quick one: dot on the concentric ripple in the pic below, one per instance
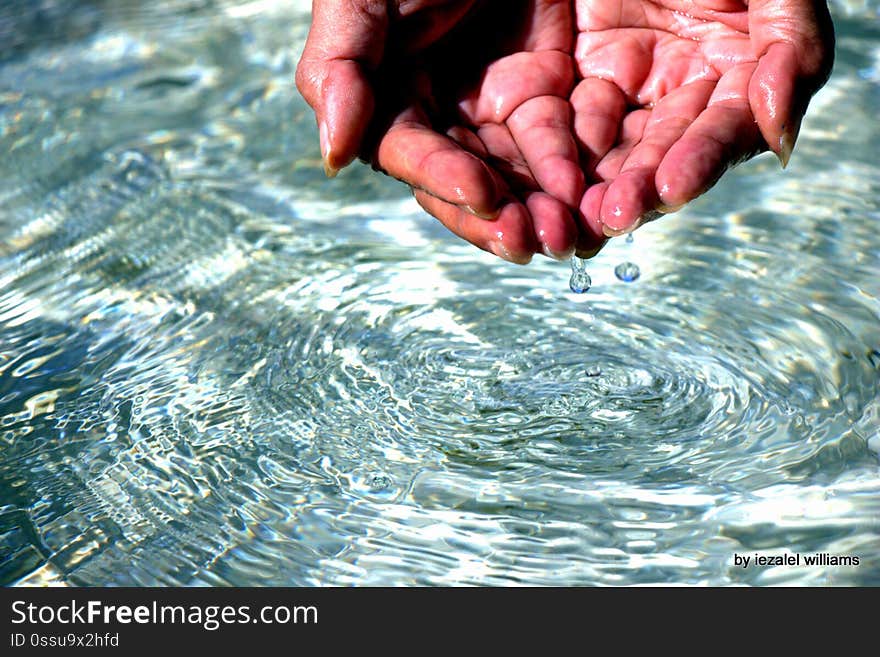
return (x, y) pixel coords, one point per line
(217, 367)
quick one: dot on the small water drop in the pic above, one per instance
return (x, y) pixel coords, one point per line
(594, 370)
(629, 238)
(580, 280)
(580, 283)
(627, 271)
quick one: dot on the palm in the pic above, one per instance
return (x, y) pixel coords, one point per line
(669, 100)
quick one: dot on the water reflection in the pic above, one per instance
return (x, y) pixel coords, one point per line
(218, 367)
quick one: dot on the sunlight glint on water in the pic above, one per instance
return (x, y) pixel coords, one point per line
(217, 367)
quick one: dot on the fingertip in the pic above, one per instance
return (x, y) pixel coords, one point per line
(774, 100)
(475, 187)
(555, 229)
(343, 111)
(689, 169)
(627, 199)
(484, 198)
(590, 209)
(513, 234)
(510, 236)
(673, 189)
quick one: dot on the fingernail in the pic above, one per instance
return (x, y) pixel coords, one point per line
(649, 216)
(786, 143)
(608, 231)
(589, 253)
(324, 138)
(669, 209)
(483, 215)
(557, 255)
(501, 251)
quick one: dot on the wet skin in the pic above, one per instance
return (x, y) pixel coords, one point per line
(529, 126)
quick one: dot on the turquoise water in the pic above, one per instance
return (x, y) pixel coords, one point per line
(218, 367)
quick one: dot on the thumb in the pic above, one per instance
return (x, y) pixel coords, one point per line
(345, 42)
(794, 43)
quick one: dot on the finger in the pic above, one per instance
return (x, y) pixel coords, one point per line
(633, 195)
(667, 122)
(627, 200)
(468, 140)
(413, 152)
(510, 236)
(555, 230)
(722, 135)
(512, 80)
(506, 157)
(631, 130)
(591, 229)
(599, 107)
(552, 26)
(554, 226)
(779, 94)
(345, 41)
(794, 42)
(542, 130)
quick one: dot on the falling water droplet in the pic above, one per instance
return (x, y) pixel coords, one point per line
(629, 238)
(594, 370)
(627, 271)
(580, 280)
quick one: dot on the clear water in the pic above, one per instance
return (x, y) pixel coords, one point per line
(580, 281)
(627, 271)
(217, 367)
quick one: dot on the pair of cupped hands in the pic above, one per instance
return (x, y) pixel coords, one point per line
(547, 126)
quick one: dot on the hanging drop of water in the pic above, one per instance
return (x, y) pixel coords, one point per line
(629, 238)
(627, 271)
(580, 280)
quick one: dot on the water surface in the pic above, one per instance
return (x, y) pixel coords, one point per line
(217, 367)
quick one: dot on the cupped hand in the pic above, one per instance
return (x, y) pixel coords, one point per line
(674, 92)
(467, 102)
(474, 104)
